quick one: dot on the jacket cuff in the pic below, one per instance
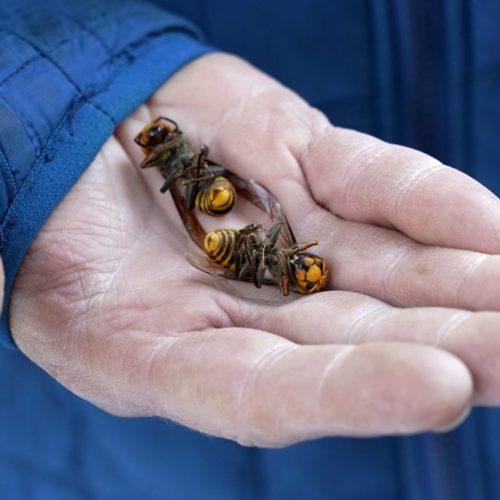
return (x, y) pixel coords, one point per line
(48, 138)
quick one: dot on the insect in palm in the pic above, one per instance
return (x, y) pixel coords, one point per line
(252, 254)
(165, 147)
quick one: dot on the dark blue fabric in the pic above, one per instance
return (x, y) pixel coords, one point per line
(71, 74)
(423, 73)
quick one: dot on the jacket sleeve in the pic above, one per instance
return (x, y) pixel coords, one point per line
(69, 73)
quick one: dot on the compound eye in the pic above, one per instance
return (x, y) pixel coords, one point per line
(153, 132)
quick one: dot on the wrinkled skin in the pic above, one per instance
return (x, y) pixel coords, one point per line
(107, 304)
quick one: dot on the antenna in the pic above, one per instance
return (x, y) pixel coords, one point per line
(171, 121)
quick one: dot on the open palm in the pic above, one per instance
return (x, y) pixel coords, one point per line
(106, 302)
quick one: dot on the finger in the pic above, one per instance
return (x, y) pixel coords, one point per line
(348, 318)
(364, 179)
(388, 265)
(260, 389)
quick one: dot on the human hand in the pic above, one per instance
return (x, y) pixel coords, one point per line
(107, 304)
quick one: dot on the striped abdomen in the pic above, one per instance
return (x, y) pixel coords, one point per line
(218, 198)
(220, 246)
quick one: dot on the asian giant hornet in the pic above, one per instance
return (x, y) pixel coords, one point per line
(166, 148)
(251, 254)
(248, 254)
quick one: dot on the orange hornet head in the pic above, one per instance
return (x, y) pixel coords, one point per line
(310, 272)
(155, 133)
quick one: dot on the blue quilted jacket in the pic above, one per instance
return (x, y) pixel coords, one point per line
(418, 72)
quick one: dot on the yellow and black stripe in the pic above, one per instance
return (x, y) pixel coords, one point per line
(217, 198)
(220, 246)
